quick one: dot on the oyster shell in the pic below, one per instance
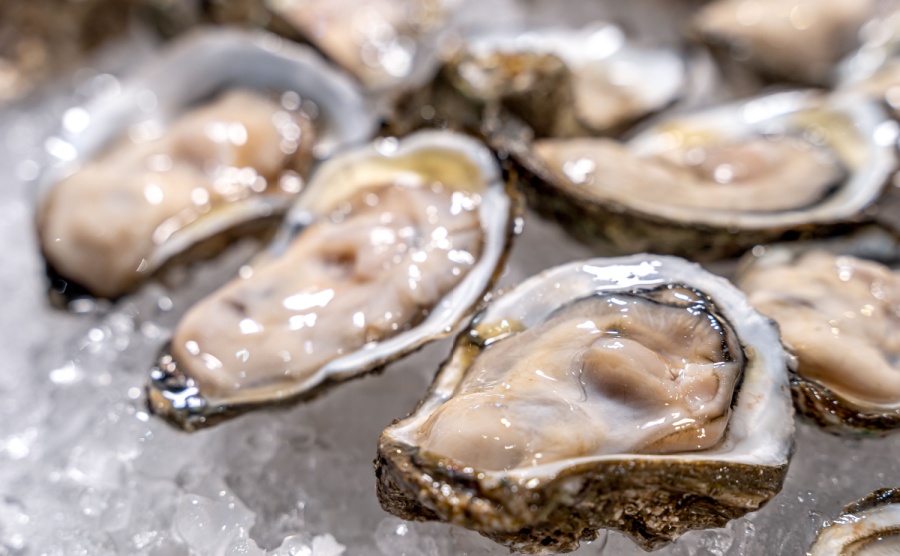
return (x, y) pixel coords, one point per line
(643, 343)
(874, 69)
(840, 316)
(792, 40)
(384, 43)
(867, 527)
(565, 82)
(390, 246)
(714, 182)
(109, 219)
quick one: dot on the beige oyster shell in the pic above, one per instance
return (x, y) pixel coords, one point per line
(714, 182)
(640, 393)
(210, 141)
(569, 82)
(840, 316)
(867, 527)
(794, 40)
(389, 247)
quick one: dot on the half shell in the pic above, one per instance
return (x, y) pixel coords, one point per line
(566, 82)
(192, 72)
(317, 309)
(840, 316)
(653, 495)
(653, 192)
(867, 527)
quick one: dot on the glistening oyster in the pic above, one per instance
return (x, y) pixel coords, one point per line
(566, 82)
(164, 170)
(712, 183)
(840, 316)
(638, 393)
(867, 527)
(389, 247)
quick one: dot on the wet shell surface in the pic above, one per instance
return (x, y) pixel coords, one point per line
(840, 316)
(212, 140)
(639, 393)
(867, 527)
(712, 183)
(389, 247)
(565, 82)
(792, 40)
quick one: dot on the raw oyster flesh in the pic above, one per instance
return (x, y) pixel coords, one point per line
(712, 183)
(867, 527)
(565, 82)
(795, 40)
(640, 393)
(238, 158)
(840, 316)
(396, 246)
(384, 43)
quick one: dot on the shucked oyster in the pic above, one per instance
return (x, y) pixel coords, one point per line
(384, 43)
(867, 527)
(193, 161)
(794, 40)
(394, 244)
(640, 393)
(874, 69)
(125, 213)
(565, 82)
(840, 316)
(712, 183)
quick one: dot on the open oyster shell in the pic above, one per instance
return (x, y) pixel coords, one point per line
(565, 82)
(312, 96)
(389, 247)
(840, 316)
(701, 185)
(867, 527)
(874, 69)
(790, 40)
(386, 44)
(654, 491)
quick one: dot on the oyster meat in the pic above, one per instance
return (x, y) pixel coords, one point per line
(712, 183)
(565, 82)
(395, 244)
(874, 69)
(867, 527)
(384, 43)
(795, 40)
(193, 150)
(117, 218)
(639, 393)
(840, 316)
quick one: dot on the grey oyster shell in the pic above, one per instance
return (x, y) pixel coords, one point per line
(653, 498)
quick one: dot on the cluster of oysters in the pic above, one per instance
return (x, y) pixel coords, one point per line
(640, 392)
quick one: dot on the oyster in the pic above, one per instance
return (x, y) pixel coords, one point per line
(639, 393)
(867, 527)
(874, 69)
(795, 40)
(565, 82)
(384, 43)
(712, 183)
(840, 316)
(121, 210)
(390, 247)
(124, 213)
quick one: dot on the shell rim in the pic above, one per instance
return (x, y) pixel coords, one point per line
(765, 424)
